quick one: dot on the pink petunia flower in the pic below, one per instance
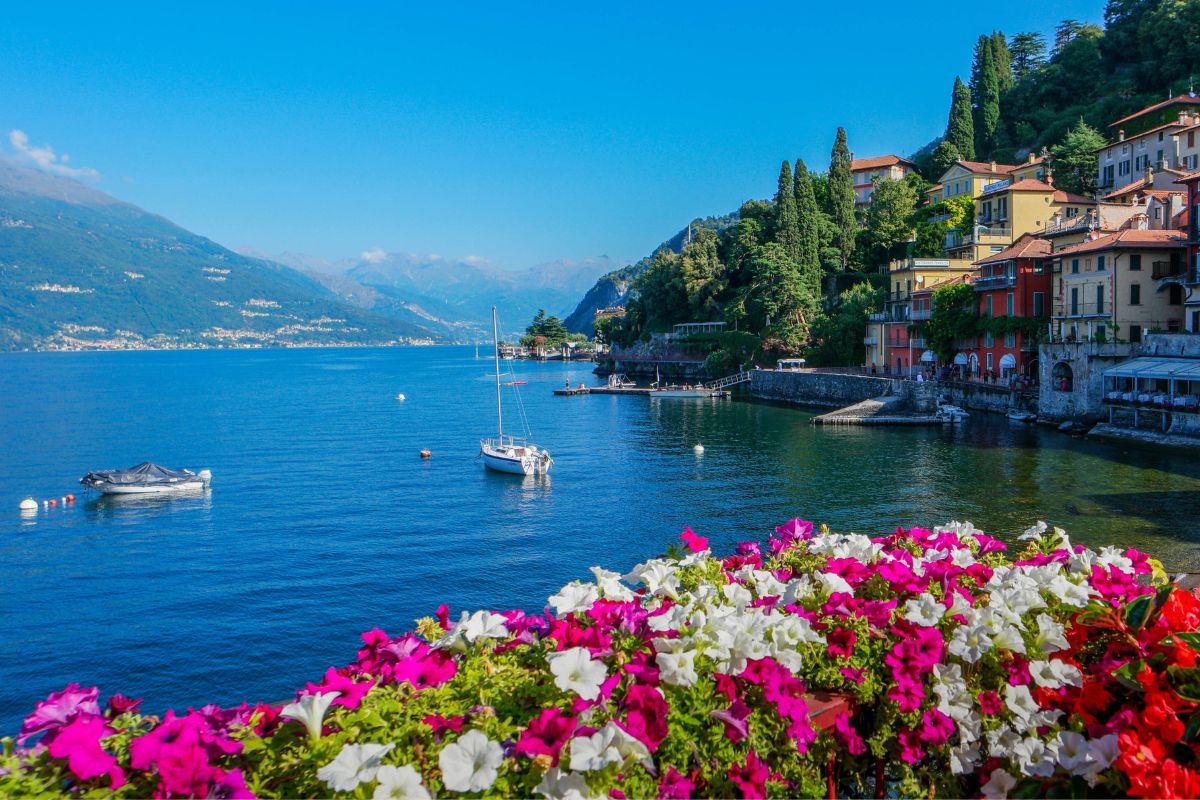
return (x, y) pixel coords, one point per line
(546, 735)
(736, 719)
(675, 786)
(847, 735)
(694, 543)
(59, 708)
(79, 743)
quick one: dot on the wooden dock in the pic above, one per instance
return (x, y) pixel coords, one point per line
(603, 390)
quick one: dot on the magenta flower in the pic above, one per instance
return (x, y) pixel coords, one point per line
(694, 543)
(546, 735)
(990, 703)
(646, 715)
(352, 692)
(840, 642)
(675, 786)
(751, 777)
(911, 750)
(59, 708)
(853, 675)
(437, 723)
(229, 785)
(736, 719)
(937, 727)
(119, 704)
(847, 735)
(79, 743)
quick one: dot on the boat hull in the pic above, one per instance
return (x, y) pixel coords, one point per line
(174, 488)
(688, 393)
(528, 461)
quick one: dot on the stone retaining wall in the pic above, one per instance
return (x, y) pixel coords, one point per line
(812, 388)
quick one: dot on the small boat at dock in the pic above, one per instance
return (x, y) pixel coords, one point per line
(951, 414)
(146, 478)
(1021, 415)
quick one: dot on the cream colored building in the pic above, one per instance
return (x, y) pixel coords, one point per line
(865, 171)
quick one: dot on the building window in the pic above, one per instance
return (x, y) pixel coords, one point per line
(1039, 304)
(1072, 212)
(1135, 333)
(989, 339)
(1135, 262)
(1009, 310)
(988, 306)
(1075, 266)
(1191, 138)
(1100, 263)
(1175, 294)
(1135, 294)
(989, 362)
(1074, 301)
(1010, 339)
(1100, 299)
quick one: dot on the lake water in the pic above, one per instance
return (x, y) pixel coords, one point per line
(323, 521)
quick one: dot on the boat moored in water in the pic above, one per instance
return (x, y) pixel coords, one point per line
(146, 478)
(1020, 415)
(507, 453)
(686, 392)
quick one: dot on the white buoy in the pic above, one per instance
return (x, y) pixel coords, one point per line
(698, 449)
(29, 504)
(401, 397)
(45, 504)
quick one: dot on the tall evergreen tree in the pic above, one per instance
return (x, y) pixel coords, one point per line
(841, 198)
(1003, 61)
(787, 222)
(944, 156)
(1028, 52)
(810, 230)
(985, 94)
(1065, 33)
(960, 127)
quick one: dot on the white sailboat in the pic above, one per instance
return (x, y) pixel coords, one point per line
(508, 453)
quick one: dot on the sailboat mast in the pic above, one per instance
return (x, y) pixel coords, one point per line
(499, 412)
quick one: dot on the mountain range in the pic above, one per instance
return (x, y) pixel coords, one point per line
(82, 269)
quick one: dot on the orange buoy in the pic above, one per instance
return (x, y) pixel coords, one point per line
(53, 502)
(425, 454)
(70, 498)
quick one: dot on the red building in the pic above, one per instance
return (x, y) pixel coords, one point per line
(1012, 283)
(1191, 221)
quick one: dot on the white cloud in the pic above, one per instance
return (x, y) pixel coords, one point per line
(47, 159)
(374, 255)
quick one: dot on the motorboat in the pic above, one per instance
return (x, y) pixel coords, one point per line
(951, 414)
(146, 478)
(619, 381)
(508, 453)
(1020, 415)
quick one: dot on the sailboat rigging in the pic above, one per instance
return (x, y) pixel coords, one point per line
(507, 453)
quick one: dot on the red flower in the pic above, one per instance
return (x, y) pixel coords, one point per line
(546, 735)
(750, 778)
(1182, 611)
(646, 715)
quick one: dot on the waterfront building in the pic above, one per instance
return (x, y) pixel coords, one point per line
(865, 171)
(967, 178)
(1007, 208)
(1013, 284)
(889, 329)
(1191, 227)
(918, 355)
(1161, 136)
(1118, 285)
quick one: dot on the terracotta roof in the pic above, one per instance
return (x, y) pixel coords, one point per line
(1162, 194)
(1127, 239)
(1191, 177)
(938, 186)
(1068, 197)
(1140, 183)
(986, 166)
(1025, 164)
(1027, 246)
(1024, 185)
(878, 161)
(1179, 98)
(1142, 134)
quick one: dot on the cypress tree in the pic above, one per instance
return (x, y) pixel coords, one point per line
(1003, 59)
(960, 127)
(810, 231)
(841, 198)
(985, 93)
(787, 223)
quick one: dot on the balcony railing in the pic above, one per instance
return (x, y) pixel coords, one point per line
(869, 341)
(916, 343)
(982, 232)
(996, 282)
(878, 316)
(922, 313)
(936, 218)
(1166, 269)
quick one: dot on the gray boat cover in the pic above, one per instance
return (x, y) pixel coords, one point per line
(144, 474)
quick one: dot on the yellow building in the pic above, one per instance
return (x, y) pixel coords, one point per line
(1008, 208)
(888, 330)
(1119, 285)
(967, 178)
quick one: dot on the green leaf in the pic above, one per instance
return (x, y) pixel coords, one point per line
(1192, 640)
(1137, 612)
(1027, 788)
(1192, 730)
(1127, 674)
(1186, 682)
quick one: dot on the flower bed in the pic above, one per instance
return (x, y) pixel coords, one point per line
(926, 662)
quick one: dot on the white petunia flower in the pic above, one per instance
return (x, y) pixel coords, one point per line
(970, 642)
(833, 583)
(677, 669)
(1054, 674)
(575, 671)
(799, 589)
(1074, 753)
(738, 596)
(310, 710)
(925, 610)
(1036, 532)
(575, 596)
(559, 785)
(658, 575)
(611, 586)
(1021, 703)
(355, 764)
(1104, 751)
(964, 758)
(998, 786)
(454, 638)
(470, 763)
(1051, 636)
(1115, 558)
(484, 625)
(594, 752)
(399, 783)
(1034, 758)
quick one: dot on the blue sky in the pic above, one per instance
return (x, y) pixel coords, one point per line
(518, 132)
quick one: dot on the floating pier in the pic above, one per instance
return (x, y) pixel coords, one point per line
(603, 390)
(889, 410)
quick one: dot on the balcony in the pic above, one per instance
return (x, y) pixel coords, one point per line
(878, 316)
(987, 233)
(997, 282)
(920, 314)
(916, 343)
(870, 341)
(936, 218)
(1166, 269)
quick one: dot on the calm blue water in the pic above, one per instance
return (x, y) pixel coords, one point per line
(323, 522)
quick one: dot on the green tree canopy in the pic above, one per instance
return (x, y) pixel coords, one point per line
(985, 94)
(889, 218)
(787, 220)
(841, 198)
(837, 339)
(954, 318)
(960, 126)
(1075, 161)
(1028, 52)
(703, 275)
